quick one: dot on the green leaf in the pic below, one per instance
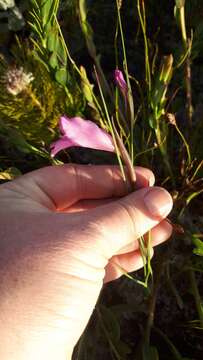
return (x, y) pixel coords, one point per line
(198, 250)
(16, 139)
(53, 10)
(152, 122)
(38, 58)
(180, 3)
(53, 61)
(61, 52)
(87, 87)
(61, 76)
(52, 40)
(193, 195)
(45, 8)
(150, 353)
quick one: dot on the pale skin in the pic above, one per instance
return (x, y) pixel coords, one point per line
(64, 231)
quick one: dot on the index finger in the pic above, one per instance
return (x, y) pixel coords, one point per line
(65, 185)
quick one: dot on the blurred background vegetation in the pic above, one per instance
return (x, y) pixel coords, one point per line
(40, 79)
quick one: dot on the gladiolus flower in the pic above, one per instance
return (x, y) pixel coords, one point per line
(120, 81)
(79, 132)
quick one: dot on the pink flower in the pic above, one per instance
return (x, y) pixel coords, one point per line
(79, 132)
(120, 81)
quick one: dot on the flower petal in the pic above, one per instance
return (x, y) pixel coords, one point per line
(62, 143)
(79, 132)
(120, 81)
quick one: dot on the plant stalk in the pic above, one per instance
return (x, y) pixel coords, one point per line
(197, 298)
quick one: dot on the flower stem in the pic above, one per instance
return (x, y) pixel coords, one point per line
(164, 153)
(197, 298)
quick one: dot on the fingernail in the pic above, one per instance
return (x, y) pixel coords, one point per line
(151, 181)
(158, 201)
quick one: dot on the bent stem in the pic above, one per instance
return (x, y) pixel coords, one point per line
(185, 143)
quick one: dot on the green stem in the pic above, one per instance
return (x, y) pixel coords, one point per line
(185, 143)
(186, 45)
(174, 351)
(152, 303)
(164, 153)
(183, 27)
(110, 126)
(76, 67)
(129, 95)
(200, 165)
(117, 355)
(123, 46)
(188, 86)
(195, 291)
(143, 26)
(173, 288)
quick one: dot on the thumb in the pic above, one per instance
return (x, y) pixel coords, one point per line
(127, 219)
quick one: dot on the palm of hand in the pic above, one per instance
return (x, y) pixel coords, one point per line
(58, 245)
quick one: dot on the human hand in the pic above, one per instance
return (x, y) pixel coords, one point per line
(63, 230)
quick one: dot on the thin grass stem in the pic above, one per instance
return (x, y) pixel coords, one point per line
(129, 95)
(142, 19)
(110, 126)
(112, 346)
(185, 143)
(196, 294)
